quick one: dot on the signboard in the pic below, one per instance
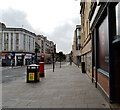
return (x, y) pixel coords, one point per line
(27, 57)
(104, 46)
(18, 54)
(78, 53)
(19, 57)
(31, 76)
(28, 54)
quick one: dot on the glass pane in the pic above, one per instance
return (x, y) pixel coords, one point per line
(118, 19)
(104, 46)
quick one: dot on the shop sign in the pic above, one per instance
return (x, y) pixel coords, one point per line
(28, 54)
(18, 54)
(27, 57)
(19, 57)
(78, 53)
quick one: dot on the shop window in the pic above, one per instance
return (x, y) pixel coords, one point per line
(104, 46)
(89, 63)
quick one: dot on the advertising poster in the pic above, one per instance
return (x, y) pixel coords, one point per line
(31, 76)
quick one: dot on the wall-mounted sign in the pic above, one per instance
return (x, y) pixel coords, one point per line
(78, 53)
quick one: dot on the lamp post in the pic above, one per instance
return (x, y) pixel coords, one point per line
(60, 55)
(53, 61)
(36, 50)
(53, 55)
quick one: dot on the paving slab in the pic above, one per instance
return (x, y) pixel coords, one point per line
(67, 87)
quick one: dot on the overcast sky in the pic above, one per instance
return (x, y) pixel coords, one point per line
(55, 19)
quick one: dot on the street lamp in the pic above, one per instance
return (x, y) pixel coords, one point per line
(53, 55)
(60, 55)
(36, 50)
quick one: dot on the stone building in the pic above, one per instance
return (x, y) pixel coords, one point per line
(76, 47)
(86, 44)
(105, 28)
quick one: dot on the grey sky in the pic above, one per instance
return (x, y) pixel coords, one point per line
(55, 19)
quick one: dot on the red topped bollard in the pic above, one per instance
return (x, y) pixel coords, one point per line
(41, 69)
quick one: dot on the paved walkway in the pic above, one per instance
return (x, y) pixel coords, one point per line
(10, 67)
(65, 88)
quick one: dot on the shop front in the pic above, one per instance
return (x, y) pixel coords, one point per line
(28, 59)
(6, 59)
(106, 48)
(19, 59)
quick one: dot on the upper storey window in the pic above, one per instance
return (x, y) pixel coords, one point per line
(118, 19)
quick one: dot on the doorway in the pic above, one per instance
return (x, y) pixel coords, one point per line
(117, 70)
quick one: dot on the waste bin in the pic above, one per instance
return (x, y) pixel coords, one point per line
(32, 73)
(41, 69)
(83, 67)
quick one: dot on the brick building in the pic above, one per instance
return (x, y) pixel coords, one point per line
(46, 48)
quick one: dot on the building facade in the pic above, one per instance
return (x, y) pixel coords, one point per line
(100, 41)
(46, 48)
(86, 42)
(104, 24)
(18, 46)
(76, 47)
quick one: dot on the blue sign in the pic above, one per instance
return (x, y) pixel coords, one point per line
(12, 55)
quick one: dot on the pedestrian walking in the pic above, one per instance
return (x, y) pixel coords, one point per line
(70, 60)
(78, 63)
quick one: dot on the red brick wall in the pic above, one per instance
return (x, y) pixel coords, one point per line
(104, 82)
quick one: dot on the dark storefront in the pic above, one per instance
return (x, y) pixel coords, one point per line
(6, 59)
(20, 60)
(105, 30)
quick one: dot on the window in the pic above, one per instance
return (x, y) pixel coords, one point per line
(29, 44)
(118, 19)
(104, 46)
(89, 63)
(17, 38)
(17, 48)
(11, 41)
(24, 42)
(5, 41)
(78, 33)
(17, 41)
(33, 43)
